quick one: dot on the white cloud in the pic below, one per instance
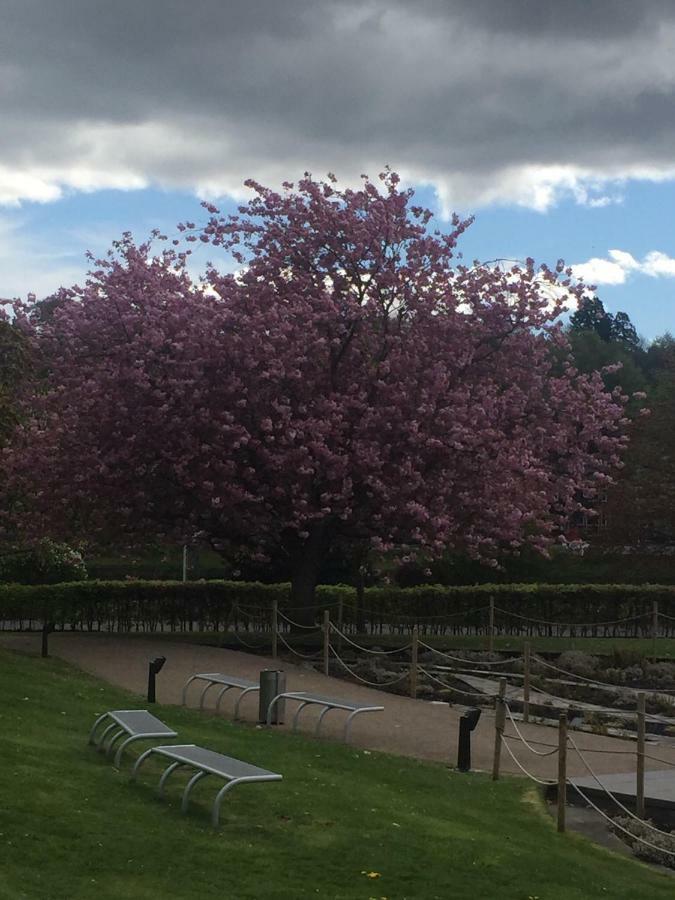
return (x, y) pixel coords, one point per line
(621, 264)
(600, 271)
(24, 267)
(657, 265)
(529, 108)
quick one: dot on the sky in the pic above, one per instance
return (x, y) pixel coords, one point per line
(552, 123)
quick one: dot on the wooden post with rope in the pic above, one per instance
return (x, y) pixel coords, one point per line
(491, 626)
(500, 719)
(562, 771)
(340, 624)
(640, 767)
(526, 682)
(414, 649)
(326, 641)
(655, 627)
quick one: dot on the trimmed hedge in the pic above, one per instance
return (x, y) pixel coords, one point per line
(218, 605)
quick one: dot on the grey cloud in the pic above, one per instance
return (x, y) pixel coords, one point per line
(488, 100)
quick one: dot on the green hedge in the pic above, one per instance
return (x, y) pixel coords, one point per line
(216, 605)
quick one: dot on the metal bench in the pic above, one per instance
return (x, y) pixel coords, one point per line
(306, 699)
(207, 762)
(228, 681)
(138, 724)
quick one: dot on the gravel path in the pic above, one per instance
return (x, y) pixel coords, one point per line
(414, 728)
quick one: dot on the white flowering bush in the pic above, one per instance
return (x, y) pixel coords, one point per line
(47, 562)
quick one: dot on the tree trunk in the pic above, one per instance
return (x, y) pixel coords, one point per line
(305, 577)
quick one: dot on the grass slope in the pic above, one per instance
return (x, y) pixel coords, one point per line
(73, 827)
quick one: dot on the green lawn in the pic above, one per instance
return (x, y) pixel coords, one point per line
(73, 828)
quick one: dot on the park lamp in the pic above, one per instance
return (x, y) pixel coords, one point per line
(154, 668)
(467, 722)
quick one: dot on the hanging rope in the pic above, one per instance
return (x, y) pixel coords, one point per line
(377, 684)
(507, 612)
(247, 645)
(523, 739)
(614, 824)
(367, 649)
(463, 659)
(313, 627)
(628, 812)
(522, 768)
(313, 656)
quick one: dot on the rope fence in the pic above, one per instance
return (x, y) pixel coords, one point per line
(565, 741)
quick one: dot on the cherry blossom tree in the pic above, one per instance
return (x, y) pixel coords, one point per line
(353, 380)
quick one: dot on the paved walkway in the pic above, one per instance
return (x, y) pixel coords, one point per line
(408, 727)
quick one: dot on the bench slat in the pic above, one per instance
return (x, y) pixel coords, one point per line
(220, 678)
(140, 721)
(214, 763)
(327, 701)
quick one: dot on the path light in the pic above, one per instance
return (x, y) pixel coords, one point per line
(467, 722)
(154, 667)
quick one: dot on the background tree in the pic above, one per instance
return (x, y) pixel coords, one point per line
(349, 384)
(641, 506)
(15, 366)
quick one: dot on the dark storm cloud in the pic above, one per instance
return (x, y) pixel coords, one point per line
(488, 100)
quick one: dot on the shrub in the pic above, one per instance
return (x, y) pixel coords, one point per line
(663, 849)
(48, 562)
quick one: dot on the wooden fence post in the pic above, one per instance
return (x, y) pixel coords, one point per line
(413, 663)
(491, 627)
(340, 624)
(500, 718)
(326, 641)
(275, 625)
(562, 771)
(655, 627)
(640, 768)
(526, 682)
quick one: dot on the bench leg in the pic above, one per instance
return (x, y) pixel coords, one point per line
(203, 694)
(141, 759)
(221, 694)
(215, 812)
(348, 725)
(186, 686)
(297, 714)
(106, 731)
(165, 775)
(241, 697)
(96, 724)
(188, 788)
(115, 737)
(350, 718)
(120, 749)
(320, 720)
(268, 717)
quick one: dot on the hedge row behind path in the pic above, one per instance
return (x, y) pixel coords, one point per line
(592, 610)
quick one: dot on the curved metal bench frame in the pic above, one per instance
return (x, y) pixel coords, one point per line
(226, 686)
(173, 752)
(306, 699)
(133, 735)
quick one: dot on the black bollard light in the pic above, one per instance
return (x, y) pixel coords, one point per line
(154, 667)
(467, 722)
(47, 629)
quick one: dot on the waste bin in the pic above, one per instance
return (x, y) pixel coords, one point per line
(272, 683)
